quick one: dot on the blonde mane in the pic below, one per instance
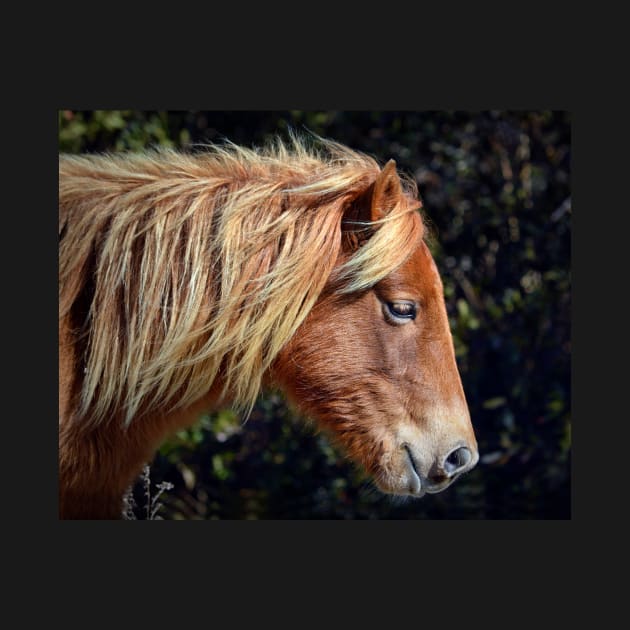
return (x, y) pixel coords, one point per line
(193, 266)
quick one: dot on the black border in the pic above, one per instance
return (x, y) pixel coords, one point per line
(531, 554)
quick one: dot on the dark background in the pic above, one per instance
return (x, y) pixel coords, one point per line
(496, 191)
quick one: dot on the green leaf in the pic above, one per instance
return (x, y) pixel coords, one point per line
(493, 403)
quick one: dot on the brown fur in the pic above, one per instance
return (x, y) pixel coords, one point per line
(175, 299)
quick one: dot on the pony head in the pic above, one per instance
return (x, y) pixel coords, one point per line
(374, 362)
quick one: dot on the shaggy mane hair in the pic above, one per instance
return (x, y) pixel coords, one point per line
(176, 268)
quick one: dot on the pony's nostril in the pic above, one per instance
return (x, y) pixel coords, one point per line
(456, 460)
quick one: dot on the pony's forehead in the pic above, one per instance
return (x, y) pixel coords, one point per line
(418, 275)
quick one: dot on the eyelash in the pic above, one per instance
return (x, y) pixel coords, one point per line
(401, 312)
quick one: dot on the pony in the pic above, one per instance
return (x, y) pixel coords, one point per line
(189, 281)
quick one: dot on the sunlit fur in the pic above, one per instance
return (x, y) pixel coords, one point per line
(176, 269)
(190, 281)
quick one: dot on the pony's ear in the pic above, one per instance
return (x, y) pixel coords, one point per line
(375, 203)
(386, 192)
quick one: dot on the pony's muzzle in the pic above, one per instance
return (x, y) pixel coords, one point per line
(430, 473)
(458, 461)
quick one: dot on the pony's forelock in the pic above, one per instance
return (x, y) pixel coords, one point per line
(205, 265)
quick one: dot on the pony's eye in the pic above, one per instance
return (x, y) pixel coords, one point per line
(401, 311)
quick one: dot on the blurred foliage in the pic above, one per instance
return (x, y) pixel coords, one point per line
(496, 192)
